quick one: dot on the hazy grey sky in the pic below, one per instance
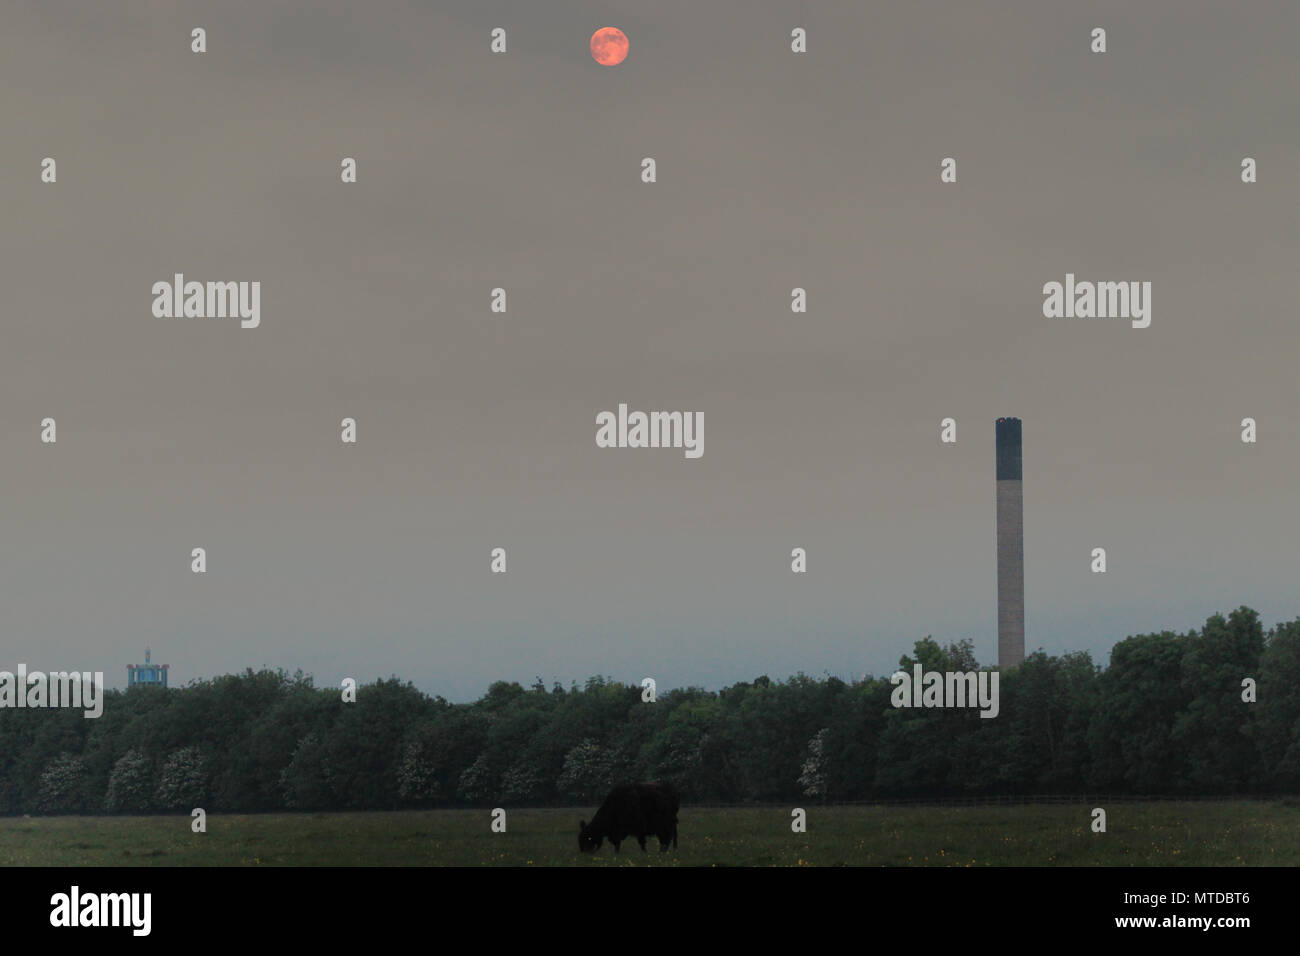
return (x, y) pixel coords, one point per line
(477, 430)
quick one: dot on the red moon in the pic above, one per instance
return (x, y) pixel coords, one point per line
(609, 46)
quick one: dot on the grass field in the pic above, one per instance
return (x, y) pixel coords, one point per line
(1146, 834)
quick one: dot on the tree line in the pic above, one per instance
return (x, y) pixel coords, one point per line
(1165, 717)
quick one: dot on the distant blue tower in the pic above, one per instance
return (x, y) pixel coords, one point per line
(146, 673)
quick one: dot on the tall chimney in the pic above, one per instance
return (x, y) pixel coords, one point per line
(1011, 546)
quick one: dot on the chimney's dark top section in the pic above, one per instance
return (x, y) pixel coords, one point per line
(1008, 430)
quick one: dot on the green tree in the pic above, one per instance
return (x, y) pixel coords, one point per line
(130, 786)
(1140, 697)
(182, 784)
(62, 787)
(1278, 706)
(1215, 728)
(812, 778)
(587, 775)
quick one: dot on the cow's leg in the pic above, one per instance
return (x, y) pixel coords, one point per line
(641, 840)
(616, 843)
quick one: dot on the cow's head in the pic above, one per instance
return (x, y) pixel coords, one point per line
(586, 842)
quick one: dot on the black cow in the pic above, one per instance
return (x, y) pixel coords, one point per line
(635, 809)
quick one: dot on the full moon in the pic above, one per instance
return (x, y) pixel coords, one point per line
(609, 46)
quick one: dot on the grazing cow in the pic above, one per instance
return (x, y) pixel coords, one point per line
(635, 809)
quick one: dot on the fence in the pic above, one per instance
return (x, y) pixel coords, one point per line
(1057, 799)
